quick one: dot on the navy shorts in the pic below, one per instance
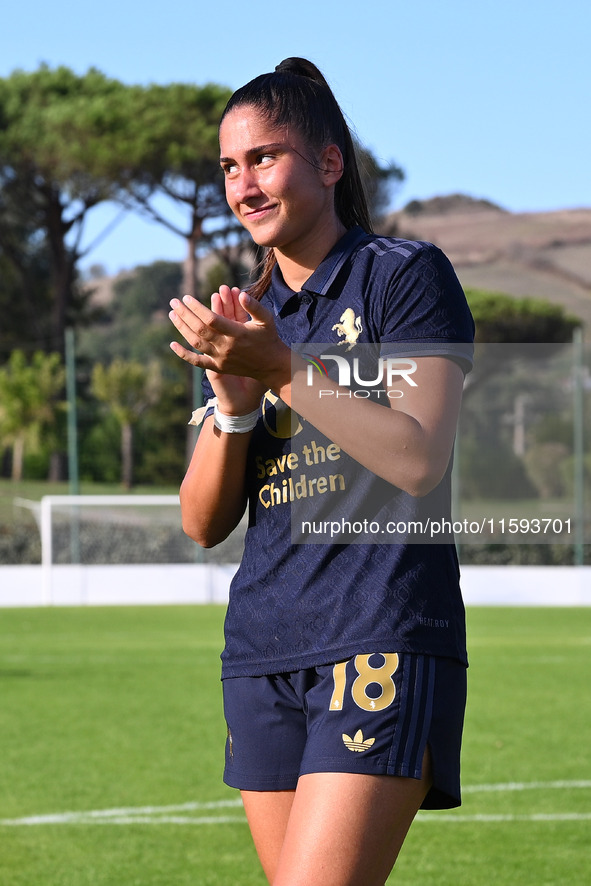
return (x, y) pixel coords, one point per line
(373, 714)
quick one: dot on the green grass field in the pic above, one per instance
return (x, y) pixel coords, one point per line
(112, 736)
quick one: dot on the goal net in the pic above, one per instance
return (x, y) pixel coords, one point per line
(121, 529)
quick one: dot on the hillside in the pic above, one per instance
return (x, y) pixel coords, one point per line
(542, 254)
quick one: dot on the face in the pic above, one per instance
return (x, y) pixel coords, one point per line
(272, 188)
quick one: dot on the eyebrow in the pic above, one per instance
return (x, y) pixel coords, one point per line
(260, 149)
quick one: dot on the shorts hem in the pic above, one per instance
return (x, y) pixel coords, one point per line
(437, 797)
(262, 783)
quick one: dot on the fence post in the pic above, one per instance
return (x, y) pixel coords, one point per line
(578, 447)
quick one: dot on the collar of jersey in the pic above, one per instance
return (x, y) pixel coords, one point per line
(324, 275)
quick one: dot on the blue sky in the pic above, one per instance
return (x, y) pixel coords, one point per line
(490, 99)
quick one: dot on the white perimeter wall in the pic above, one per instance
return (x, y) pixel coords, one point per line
(204, 583)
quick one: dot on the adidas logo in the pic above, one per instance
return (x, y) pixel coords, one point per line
(357, 743)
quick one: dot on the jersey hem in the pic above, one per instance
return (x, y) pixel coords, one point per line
(317, 659)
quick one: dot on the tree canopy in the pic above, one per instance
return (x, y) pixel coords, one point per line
(179, 124)
(69, 142)
(504, 322)
(502, 318)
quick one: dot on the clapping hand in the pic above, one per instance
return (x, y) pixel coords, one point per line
(238, 345)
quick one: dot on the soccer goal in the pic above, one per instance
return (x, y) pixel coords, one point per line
(93, 529)
(88, 531)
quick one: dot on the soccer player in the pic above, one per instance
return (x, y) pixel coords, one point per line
(344, 663)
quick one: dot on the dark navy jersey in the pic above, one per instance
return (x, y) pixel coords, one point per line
(299, 605)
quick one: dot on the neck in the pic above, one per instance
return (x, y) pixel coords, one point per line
(299, 262)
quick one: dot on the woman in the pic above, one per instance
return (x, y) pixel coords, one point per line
(344, 664)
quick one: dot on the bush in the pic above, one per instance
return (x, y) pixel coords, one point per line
(20, 545)
(543, 463)
(492, 471)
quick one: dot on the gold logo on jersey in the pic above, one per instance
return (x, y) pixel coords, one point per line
(349, 328)
(357, 743)
(279, 420)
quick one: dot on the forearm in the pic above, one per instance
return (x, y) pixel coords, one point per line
(408, 445)
(212, 493)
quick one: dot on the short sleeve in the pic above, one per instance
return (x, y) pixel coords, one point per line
(426, 311)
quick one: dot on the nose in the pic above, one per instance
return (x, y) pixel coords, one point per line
(243, 186)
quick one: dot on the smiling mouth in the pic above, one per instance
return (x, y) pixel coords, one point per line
(259, 212)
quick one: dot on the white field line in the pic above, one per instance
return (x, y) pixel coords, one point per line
(164, 814)
(525, 786)
(143, 814)
(165, 819)
(550, 816)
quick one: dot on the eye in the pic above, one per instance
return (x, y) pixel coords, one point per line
(229, 168)
(262, 159)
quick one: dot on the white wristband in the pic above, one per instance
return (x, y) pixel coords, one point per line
(234, 424)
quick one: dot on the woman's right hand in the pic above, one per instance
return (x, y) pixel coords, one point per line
(235, 338)
(237, 395)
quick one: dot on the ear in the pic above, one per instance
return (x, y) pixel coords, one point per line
(332, 165)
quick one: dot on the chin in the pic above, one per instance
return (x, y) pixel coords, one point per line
(266, 240)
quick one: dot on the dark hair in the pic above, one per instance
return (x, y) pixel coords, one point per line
(296, 95)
